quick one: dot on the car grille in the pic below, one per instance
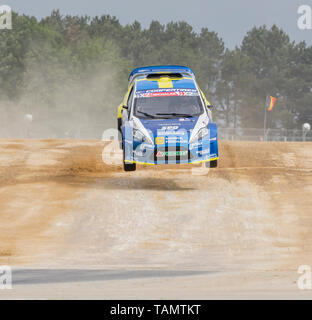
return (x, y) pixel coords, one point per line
(176, 153)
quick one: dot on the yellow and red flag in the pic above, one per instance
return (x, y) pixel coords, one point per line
(272, 103)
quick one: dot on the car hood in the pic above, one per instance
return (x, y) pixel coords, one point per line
(187, 127)
(169, 125)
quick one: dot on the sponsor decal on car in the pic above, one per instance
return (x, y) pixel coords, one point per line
(166, 93)
(171, 153)
(160, 140)
(169, 128)
(203, 152)
(177, 133)
(176, 140)
(195, 145)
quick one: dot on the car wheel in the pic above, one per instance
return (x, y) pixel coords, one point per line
(119, 124)
(120, 133)
(128, 166)
(212, 164)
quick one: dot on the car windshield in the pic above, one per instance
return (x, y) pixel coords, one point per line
(167, 105)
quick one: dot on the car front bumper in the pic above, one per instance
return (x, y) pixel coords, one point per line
(148, 154)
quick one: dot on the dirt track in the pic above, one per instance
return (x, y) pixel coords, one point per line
(242, 229)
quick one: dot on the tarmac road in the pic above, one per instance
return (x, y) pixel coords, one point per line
(74, 227)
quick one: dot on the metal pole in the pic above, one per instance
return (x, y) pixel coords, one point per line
(265, 119)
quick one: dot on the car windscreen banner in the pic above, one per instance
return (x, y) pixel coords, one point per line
(166, 93)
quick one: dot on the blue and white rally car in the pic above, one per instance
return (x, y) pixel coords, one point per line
(166, 119)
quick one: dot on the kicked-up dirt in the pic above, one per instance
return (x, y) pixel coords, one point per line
(73, 226)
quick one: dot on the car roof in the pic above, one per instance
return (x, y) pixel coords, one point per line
(160, 69)
(165, 82)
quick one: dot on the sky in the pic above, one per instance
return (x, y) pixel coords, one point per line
(231, 19)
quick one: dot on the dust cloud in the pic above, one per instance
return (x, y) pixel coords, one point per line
(63, 104)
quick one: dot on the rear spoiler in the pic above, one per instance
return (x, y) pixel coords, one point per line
(161, 70)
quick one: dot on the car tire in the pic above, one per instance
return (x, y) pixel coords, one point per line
(212, 164)
(119, 124)
(128, 166)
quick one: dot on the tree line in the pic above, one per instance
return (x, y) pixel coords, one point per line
(76, 68)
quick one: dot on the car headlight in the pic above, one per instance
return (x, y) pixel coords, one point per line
(202, 133)
(138, 135)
